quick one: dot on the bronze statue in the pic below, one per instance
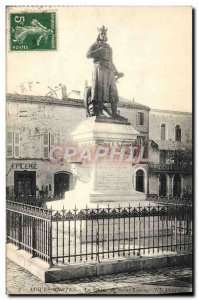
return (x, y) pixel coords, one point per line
(104, 78)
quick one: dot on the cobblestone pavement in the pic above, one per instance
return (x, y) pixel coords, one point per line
(160, 281)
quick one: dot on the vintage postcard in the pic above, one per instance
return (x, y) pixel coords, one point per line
(99, 150)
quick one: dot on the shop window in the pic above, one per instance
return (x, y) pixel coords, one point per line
(25, 183)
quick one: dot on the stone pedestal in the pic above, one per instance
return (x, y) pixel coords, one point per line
(103, 181)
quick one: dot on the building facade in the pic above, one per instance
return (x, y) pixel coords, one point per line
(170, 153)
(35, 124)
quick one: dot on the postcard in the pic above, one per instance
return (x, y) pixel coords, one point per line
(99, 189)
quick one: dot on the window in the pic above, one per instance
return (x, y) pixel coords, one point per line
(16, 144)
(46, 145)
(10, 144)
(140, 118)
(178, 133)
(48, 142)
(162, 157)
(13, 144)
(163, 132)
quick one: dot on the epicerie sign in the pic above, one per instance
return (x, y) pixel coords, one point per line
(24, 166)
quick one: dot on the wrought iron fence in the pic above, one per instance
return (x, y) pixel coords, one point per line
(70, 236)
(186, 199)
(171, 167)
(39, 201)
(30, 228)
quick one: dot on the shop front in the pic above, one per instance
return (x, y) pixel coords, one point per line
(37, 178)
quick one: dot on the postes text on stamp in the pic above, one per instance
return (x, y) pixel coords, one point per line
(33, 31)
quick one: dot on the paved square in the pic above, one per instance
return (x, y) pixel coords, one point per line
(161, 281)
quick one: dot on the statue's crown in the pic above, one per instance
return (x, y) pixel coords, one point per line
(102, 29)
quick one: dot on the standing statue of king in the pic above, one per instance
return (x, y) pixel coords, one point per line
(104, 77)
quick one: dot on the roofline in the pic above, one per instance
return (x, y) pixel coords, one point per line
(67, 102)
(170, 111)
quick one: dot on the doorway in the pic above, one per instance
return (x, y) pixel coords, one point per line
(177, 186)
(25, 183)
(140, 181)
(162, 185)
(61, 183)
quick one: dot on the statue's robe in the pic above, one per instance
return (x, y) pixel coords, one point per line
(104, 88)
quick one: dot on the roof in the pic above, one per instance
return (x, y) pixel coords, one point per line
(43, 99)
(169, 111)
(171, 145)
(131, 104)
(69, 102)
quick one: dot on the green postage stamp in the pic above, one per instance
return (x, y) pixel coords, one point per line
(33, 31)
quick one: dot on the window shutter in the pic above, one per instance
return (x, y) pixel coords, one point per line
(46, 145)
(52, 139)
(16, 144)
(9, 144)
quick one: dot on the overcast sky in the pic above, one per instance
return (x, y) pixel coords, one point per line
(152, 46)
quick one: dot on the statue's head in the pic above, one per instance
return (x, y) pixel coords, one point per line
(102, 34)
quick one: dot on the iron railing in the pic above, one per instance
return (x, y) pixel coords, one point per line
(39, 201)
(30, 228)
(186, 199)
(170, 167)
(70, 236)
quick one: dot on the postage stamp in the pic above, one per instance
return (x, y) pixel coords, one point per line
(33, 31)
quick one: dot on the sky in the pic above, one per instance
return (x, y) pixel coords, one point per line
(152, 46)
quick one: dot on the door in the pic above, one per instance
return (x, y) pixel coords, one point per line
(25, 183)
(162, 185)
(140, 181)
(177, 186)
(61, 183)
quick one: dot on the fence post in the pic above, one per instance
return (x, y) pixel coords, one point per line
(176, 227)
(7, 225)
(139, 229)
(33, 237)
(20, 232)
(50, 240)
(98, 236)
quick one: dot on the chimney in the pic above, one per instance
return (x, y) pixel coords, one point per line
(64, 92)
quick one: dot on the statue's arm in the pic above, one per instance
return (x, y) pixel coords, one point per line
(115, 71)
(93, 52)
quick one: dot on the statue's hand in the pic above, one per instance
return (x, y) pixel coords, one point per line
(102, 50)
(120, 74)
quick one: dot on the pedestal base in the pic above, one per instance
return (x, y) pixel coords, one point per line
(104, 181)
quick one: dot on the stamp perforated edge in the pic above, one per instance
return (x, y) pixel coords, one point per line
(31, 9)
